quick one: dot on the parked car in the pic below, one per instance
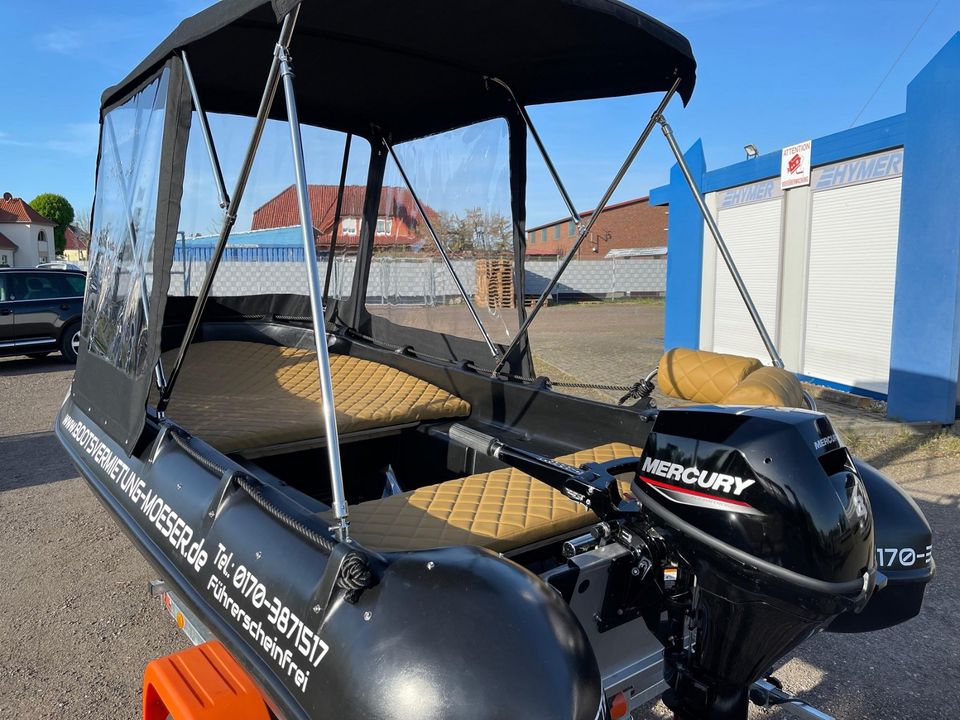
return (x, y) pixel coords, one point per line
(59, 265)
(40, 312)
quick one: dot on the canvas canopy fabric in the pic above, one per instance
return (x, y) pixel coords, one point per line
(419, 67)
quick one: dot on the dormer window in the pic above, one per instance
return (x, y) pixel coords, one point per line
(348, 226)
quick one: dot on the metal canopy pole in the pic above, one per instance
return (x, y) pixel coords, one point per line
(207, 137)
(331, 255)
(442, 250)
(543, 151)
(585, 229)
(721, 245)
(316, 300)
(266, 102)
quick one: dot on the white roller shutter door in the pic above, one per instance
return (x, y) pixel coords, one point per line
(852, 271)
(752, 233)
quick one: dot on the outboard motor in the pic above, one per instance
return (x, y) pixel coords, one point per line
(750, 530)
(769, 522)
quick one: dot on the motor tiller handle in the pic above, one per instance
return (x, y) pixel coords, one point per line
(474, 439)
(592, 485)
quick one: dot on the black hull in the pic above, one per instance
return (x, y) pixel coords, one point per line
(458, 632)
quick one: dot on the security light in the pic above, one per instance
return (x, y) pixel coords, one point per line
(751, 151)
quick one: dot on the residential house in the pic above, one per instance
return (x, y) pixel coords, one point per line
(77, 245)
(26, 236)
(398, 221)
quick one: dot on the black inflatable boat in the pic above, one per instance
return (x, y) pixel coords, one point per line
(365, 511)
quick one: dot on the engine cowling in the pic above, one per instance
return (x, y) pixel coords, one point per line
(767, 510)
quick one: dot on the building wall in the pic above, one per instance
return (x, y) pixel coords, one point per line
(29, 251)
(920, 286)
(631, 224)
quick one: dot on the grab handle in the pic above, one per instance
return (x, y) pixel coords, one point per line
(474, 439)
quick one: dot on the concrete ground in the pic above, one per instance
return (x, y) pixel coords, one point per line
(78, 627)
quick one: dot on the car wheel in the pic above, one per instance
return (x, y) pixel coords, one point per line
(70, 342)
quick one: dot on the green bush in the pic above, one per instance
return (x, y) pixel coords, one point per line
(57, 208)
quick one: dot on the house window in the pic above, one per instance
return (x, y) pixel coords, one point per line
(348, 226)
(4, 260)
(384, 226)
(543, 235)
(41, 236)
(571, 228)
(556, 232)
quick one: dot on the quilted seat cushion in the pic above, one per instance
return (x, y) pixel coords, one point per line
(768, 386)
(500, 510)
(701, 376)
(243, 395)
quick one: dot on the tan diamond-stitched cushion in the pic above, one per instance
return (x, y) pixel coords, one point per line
(701, 376)
(242, 395)
(500, 510)
(771, 386)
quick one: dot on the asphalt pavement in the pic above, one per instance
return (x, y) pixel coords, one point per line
(78, 626)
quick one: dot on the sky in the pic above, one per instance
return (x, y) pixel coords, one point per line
(770, 73)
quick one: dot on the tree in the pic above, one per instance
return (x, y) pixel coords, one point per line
(475, 231)
(59, 210)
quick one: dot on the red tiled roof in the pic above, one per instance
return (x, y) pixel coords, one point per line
(73, 239)
(16, 210)
(395, 202)
(6, 243)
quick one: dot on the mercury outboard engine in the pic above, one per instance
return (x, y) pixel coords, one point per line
(756, 529)
(771, 529)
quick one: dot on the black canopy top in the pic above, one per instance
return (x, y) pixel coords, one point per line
(417, 67)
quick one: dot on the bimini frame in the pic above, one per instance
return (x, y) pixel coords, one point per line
(281, 71)
(583, 230)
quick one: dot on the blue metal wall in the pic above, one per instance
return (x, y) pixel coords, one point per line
(243, 254)
(925, 351)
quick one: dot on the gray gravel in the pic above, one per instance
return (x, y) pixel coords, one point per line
(78, 627)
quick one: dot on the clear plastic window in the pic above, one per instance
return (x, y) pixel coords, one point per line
(462, 178)
(115, 313)
(264, 253)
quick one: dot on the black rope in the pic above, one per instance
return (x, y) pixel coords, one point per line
(355, 574)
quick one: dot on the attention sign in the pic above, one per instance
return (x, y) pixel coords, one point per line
(795, 165)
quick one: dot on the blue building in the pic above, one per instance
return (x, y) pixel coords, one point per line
(856, 274)
(272, 245)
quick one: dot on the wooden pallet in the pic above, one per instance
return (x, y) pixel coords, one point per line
(495, 283)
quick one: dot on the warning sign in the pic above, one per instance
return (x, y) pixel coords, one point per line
(795, 165)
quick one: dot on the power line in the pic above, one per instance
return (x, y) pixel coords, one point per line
(895, 62)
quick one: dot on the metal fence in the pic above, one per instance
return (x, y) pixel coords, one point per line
(409, 281)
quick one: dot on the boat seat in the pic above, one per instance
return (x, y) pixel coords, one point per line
(720, 379)
(242, 395)
(500, 510)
